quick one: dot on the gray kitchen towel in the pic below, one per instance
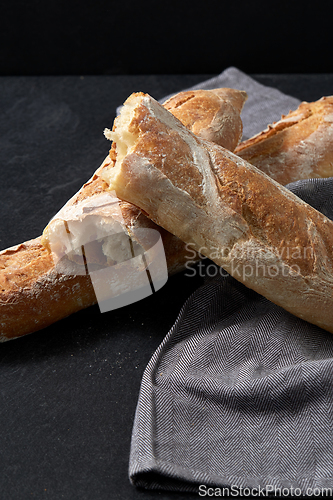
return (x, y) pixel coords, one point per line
(239, 395)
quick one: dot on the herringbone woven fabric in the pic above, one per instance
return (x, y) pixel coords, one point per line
(240, 392)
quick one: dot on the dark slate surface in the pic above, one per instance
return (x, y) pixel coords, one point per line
(68, 393)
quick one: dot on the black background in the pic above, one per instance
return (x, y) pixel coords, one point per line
(69, 37)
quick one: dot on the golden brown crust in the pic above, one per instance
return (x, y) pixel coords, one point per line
(20, 264)
(33, 295)
(236, 215)
(211, 114)
(299, 146)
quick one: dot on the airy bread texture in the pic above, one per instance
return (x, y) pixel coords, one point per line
(35, 292)
(299, 146)
(257, 230)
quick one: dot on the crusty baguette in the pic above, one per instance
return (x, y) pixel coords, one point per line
(35, 293)
(299, 146)
(221, 110)
(129, 217)
(227, 209)
(210, 114)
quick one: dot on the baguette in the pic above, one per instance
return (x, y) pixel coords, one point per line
(34, 291)
(220, 120)
(33, 294)
(227, 209)
(299, 146)
(210, 114)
